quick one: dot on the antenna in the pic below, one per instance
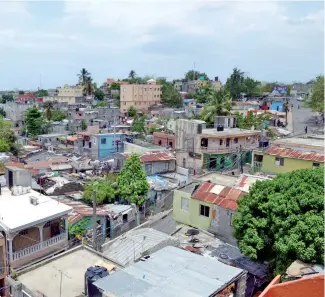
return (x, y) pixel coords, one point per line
(40, 81)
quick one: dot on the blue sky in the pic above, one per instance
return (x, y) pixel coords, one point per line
(268, 40)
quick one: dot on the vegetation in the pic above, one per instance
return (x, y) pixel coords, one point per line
(138, 125)
(114, 86)
(34, 121)
(282, 220)
(83, 125)
(58, 115)
(99, 95)
(195, 75)
(7, 98)
(219, 103)
(170, 96)
(104, 189)
(247, 122)
(132, 112)
(80, 228)
(132, 182)
(83, 76)
(42, 93)
(251, 87)
(101, 104)
(2, 112)
(316, 100)
(202, 95)
(48, 106)
(88, 87)
(4, 146)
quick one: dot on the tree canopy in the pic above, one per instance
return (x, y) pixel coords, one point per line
(246, 122)
(282, 220)
(83, 125)
(83, 76)
(114, 86)
(132, 182)
(104, 189)
(42, 93)
(99, 95)
(58, 115)
(34, 121)
(7, 97)
(170, 96)
(132, 111)
(316, 100)
(195, 75)
(138, 125)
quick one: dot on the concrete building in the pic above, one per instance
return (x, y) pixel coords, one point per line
(3, 265)
(35, 226)
(140, 147)
(67, 94)
(16, 110)
(165, 140)
(140, 96)
(191, 275)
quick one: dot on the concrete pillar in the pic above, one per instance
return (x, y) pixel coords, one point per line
(40, 228)
(66, 226)
(241, 286)
(16, 287)
(9, 240)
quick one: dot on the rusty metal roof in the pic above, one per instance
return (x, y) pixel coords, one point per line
(222, 196)
(156, 156)
(295, 154)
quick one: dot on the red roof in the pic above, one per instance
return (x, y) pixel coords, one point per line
(294, 154)
(26, 96)
(156, 156)
(222, 196)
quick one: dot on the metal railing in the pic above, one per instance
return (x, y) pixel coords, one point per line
(39, 246)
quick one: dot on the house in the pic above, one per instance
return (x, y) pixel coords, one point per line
(172, 271)
(35, 226)
(3, 264)
(208, 207)
(15, 111)
(70, 265)
(67, 94)
(139, 146)
(140, 96)
(27, 97)
(164, 139)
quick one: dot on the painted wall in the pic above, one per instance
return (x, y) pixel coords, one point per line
(191, 217)
(104, 144)
(213, 162)
(268, 165)
(134, 148)
(277, 104)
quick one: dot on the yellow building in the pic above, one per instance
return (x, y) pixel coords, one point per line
(140, 96)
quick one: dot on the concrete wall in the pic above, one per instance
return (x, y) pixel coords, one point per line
(3, 259)
(20, 177)
(268, 165)
(164, 139)
(134, 148)
(61, 99)
(159, 167)
(221, 224)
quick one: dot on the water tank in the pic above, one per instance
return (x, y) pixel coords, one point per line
(264, 143)
(199, 129)
(92, 274)
(216, 78)
(220, 128)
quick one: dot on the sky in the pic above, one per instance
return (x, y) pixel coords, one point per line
(46, 43)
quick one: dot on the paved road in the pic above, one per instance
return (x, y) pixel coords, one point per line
(302, 117)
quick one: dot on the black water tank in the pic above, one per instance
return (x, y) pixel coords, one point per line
(92, 274)
(216, 78)
(220, 128)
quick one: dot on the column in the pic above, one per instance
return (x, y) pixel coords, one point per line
(66, 226)
(40, 229)
(9, 240)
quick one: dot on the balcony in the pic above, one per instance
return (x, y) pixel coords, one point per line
(39, 246)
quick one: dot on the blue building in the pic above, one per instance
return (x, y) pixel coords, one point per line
(277, 106)
(105, 145)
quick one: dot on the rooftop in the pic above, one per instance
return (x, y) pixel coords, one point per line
(130, 246)
(300, 142)
(17, 212)
(189, 188)
(220, 179)
(245, 181)
(295, 154)
(145, 144)
(153, 156)
(73, 263)
(170, 272)
(222, 196)
(229, 132)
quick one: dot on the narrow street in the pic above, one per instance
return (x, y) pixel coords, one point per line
(302, 117)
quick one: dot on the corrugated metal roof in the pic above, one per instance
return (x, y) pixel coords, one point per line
(171, 272)
(295, 154)
(153, 156)
(222, 196)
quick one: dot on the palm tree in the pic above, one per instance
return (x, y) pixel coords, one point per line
(219, 104)
(48, 106)
(88, 86)
(83, 76)
(132, 74)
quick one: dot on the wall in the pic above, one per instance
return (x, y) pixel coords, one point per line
(212, 162)
(268, 165)
(277, 104)
(60, 99)
(221, 224)
(180, 215)
(159, 167)
(134, 148)
(70, 92)
(164, 139)
(102, 150)
(3, 259)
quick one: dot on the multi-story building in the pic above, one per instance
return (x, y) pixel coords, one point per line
(68, 94)
(219, 148)
(140, 96)
(35, 226)
(15, 110)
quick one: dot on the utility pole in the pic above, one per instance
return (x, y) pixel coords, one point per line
(240, 160)
(94, 220)
(61, 272)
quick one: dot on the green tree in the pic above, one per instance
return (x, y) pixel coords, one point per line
(2, 112)
(195, 75)
(316, 100)
(132, 112)
(83, 76)
(161, 80)
(83, 125)
(138, 125)
(251, 87)
(58, 115)
(88, 87)
(132, 74)
(246, 122)
(282, 220)
(99, 95)
(114, 86)
(289, 90)
(203, 94)
(132, 182)
(268, 88)
(4, 146)
(48, 106)
(101, 104)
(170, 96)
(21, 92)
(105, 192)
(42, 93)
(34, 121)
(16, 149)
(236, 83)
(6, 132)
(7, 98)
(219, 104)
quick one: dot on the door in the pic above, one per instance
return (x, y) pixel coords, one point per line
(11, 179)
(55, 229)
(213, 163)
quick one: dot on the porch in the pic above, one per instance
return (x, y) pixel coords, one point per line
(36, 242)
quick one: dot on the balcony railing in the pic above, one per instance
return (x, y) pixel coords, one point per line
(257, 164)
(38, 247)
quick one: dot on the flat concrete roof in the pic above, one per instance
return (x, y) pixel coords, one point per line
(309, 142)
(46, 279)
(229, 132)
(220, 179)
(16, 212)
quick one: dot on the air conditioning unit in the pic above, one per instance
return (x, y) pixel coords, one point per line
(33, 200)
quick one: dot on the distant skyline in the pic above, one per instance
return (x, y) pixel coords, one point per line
(269, 41)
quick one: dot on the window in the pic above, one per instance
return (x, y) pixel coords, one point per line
(24, 232)
(236, 140)
(103, 141)
(185, 204)
(221, 141)
(227, 142)
(125, 218)
(204, 142)
(279, 161)
(159, 142)
(170, 144)
(315, 165)
(204, 210)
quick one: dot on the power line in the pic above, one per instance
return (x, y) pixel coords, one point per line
(61, 273)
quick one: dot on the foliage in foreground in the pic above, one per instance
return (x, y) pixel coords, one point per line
(104, 188)
(282, 220)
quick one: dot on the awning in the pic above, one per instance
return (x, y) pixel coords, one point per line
(72, 138)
